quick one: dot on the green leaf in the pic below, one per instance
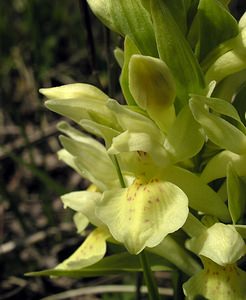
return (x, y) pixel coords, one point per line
(185, 138)
(236, 194)
(91, 251)
(216, 25)
(129, 49)
(176, 52)
(201, 197)
(144, 213)
(114, 264)
(218, 130)
(84, 202)
(221, 243)
(127, 18)
(216, 166)
(153, 88)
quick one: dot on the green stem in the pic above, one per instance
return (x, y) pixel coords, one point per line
(149, 278)
(118, 170)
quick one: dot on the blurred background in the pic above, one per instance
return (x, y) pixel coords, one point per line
(44, 43)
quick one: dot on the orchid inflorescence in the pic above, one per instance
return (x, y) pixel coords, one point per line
(169, 179)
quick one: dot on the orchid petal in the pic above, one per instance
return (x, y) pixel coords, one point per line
(84, 202)
(87, 152)
(143, 214)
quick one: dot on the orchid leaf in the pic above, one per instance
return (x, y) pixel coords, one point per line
(236, 194)
(178, 10)
(218, 130)
(143, 214)
(201, 197)
(91, 251)
(176, 52)
(216, 25)
(114, 264)
(153, 88)
(129, 49)
(217, 166)
(185, 138)
(84, 202)
(221, 243)
(127, 18)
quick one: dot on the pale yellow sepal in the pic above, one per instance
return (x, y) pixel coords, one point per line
(74, 90)
(91, 251)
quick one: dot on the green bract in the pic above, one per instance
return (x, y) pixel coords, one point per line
(172, 161)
